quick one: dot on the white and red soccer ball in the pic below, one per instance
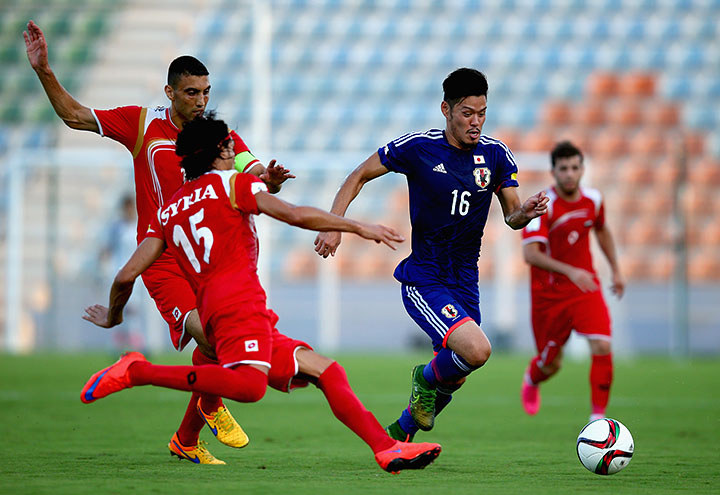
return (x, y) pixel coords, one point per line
(605, 446)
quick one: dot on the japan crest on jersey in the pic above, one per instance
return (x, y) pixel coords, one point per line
(482, 176)
(449, 311)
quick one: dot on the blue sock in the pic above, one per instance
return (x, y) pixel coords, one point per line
(406, 422)
(446, 366)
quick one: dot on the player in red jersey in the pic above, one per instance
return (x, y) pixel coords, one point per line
(149, 134)
(211, 210)
(565, 290)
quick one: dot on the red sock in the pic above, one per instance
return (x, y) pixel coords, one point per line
(243, 384)
(189, 430)
(210, 403)
(601, 376)
(350, 411)
(536, 374)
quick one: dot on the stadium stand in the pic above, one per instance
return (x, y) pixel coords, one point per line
(626, 80)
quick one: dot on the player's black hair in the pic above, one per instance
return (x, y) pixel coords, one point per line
(199, 143)
(564, 149)
(185, 65)
(464, 82)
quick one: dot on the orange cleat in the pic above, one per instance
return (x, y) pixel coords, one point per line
(407, 456)
(110, 380)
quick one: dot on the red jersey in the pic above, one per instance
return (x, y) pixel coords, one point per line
(199, 222)
(564, 234)
(150, 135)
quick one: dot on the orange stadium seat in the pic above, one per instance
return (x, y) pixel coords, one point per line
(662, 114)
(511, 137)
(579, 135)
(538, 139)
(590, 114)
(635, 172)
(637, 85)
(635, 265)
(661, 268)
(710, 235)
(300, 263)
(610, 143)
(704, 265)
(648, 142)
(705, 170)
(556, 113)
(602, 85)
(625, 112)
(694, 143)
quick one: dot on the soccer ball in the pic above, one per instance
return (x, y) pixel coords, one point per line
(605, 446)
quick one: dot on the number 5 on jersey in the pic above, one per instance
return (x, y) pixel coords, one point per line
(181, 239)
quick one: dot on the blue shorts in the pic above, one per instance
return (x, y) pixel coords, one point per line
(439, 310)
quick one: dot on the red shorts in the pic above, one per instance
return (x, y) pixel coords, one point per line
(553, 320)
(173, 297)
(247, 335)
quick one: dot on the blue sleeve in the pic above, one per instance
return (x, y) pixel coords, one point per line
(397, 159)
(506, 170)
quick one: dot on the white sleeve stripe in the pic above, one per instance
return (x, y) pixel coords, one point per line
(97, 121)
(257, 187)
(529, 240)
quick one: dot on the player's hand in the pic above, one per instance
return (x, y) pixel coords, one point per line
(618, 285)
(326, 243)
(380, 233)
(99, 315)
(275, 174)
(35, 46)
(583, 279)
(536, 205)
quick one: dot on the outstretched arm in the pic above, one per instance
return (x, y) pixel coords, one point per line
(607, 245)
(518, 215)
(327, 243)
(308, 217)
(273, 176)
(146, 253)
(66, 107)
(582, 278)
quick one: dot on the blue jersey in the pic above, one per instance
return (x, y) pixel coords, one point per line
(450, 194)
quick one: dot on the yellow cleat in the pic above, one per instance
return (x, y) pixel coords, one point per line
(197, 453)
(224, 427)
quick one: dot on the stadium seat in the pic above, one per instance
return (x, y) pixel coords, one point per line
(300, 263)
(705, 171)
(637, 85)
(648, 142)
(590, 113)
(610, 143)
(704, 265)
(555, 113)
(662, 114)
(624, 112)
(538, 140)
(602, 85)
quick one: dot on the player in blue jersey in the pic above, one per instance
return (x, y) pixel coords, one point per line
(451, 176)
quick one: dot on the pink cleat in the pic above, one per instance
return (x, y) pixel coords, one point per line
(110, 380)
(530, 398)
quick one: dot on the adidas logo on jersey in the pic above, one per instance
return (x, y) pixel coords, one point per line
(439, 168)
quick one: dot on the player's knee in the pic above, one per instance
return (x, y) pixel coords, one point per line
(478, 354)
(552, 367)
(249, 385)
(600, 347)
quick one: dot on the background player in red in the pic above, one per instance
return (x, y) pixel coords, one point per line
(212, 210)
(565, 290)
(149, 134)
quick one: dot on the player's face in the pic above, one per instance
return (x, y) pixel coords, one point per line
(568, 172)
(190, 97)
(464, 121)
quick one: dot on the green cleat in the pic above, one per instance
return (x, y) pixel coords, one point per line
(396, 432)
(422, 400)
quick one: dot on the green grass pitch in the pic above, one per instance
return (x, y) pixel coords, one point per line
(54, 444)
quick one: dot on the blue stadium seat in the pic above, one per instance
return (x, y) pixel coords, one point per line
(701, 116)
